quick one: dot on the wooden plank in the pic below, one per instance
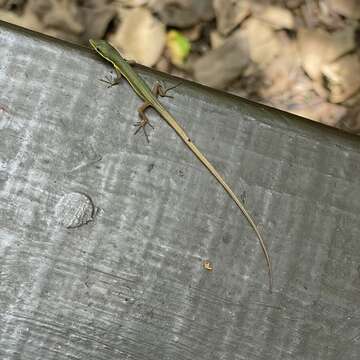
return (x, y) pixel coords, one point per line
(102, 235)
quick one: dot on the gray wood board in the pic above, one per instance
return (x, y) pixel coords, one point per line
(102, 235)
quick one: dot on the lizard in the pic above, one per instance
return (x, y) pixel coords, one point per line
(150, 97)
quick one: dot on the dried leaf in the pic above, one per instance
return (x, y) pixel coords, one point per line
(347, 8)
(324, 112)
(96, 21)
(284, 73)
(318, 48)
(133, 3)
(351, 122)
(229, 14)
(276, 16)
(27, 20)
(222, 65)
(182, 13)
(62, 15)
(263, 43)
(343, 77)
(194, 33)
(216, 39)
(141, 37)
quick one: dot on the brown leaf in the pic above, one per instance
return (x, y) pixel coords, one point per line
(61, 15)
(229, 14)
(318, 48)
(347, 8)
(141, 37)
(264, 45)
(96, 21)
(276, 16)
(224, 64)
(284, 73)
(216, 39)
(351, 122)
(28, 19)
(182, 13)
(324, 112)
(343, 76)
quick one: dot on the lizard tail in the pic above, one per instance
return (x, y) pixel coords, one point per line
(181, 132)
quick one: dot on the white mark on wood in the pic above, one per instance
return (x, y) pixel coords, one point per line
(74, 210)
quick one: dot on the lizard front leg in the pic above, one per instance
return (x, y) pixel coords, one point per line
(159, 90)
(111, 82)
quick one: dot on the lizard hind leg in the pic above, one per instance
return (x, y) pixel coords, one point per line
(144, 120)
(160, 90)
(157, 90)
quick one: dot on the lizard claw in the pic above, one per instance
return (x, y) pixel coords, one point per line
(142, 125)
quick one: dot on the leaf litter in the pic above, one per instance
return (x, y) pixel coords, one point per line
(296, 55)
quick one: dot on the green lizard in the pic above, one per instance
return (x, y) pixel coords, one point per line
(150, 98)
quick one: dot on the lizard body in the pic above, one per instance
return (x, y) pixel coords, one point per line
(123, 68)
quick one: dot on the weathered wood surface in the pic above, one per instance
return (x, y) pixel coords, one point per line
(102, 235)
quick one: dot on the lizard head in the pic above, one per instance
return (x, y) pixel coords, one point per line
(99, 45)
(104, 49)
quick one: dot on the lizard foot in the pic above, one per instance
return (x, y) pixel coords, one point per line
(142, 125)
